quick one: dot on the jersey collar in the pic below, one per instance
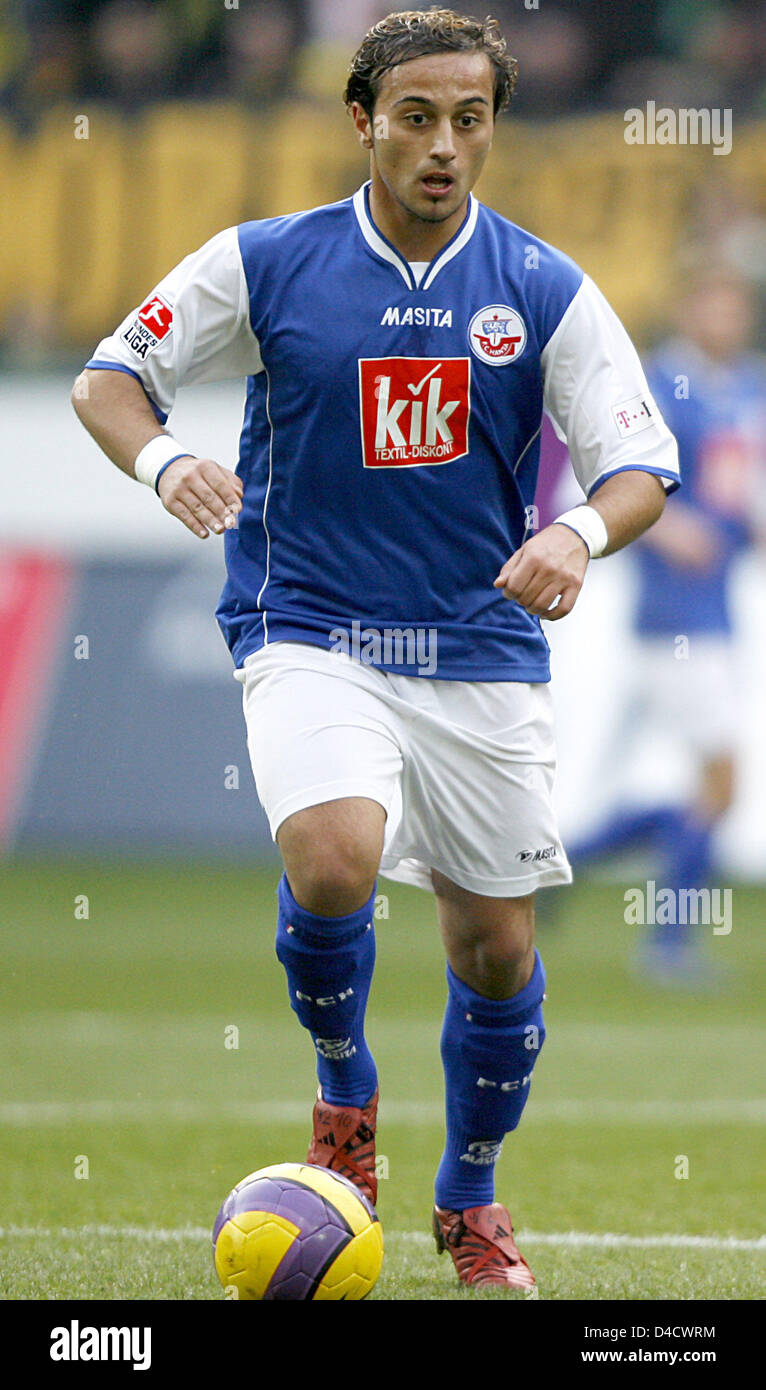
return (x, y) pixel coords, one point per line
(383, 248)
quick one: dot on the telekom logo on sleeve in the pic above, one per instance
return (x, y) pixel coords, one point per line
(414, 410)
(632, 416)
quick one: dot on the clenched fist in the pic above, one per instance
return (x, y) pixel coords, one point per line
(547, 567)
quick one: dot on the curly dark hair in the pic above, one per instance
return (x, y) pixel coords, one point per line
(408, 34)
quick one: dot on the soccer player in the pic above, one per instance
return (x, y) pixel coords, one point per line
(385, 585)
(711, 387)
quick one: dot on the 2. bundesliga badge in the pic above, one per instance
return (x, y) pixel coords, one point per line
(497, 335)
(152, 323)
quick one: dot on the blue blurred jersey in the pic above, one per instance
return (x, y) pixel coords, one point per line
(719, 429)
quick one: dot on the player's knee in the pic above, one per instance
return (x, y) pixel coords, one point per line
(490, 942)
(331, 862)
(333, 887)
(332, 877)
(498, 965)
(718, 786)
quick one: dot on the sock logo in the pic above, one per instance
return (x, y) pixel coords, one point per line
(325, 1001)
(483, 1152)
(335, 1049)
(506, 1086)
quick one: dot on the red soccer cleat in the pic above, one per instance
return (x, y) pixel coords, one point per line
(344, 1140)
(480, 1241)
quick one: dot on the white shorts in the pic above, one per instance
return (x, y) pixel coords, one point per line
(693, 691)
(463, 769)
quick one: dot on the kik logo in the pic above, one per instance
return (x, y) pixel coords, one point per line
(414, 410)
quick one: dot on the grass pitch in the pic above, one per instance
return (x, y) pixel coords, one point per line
(127, 1113)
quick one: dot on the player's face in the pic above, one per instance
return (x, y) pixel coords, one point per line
(719, 316)
(431, 131)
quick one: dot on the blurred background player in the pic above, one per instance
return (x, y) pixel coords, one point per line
(711, 387)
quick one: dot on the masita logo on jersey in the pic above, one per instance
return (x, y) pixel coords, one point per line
(497, 335)
(414, 410)
(152, 323)
(416, 315)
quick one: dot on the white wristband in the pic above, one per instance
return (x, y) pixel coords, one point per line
(589, 525)
(155, 456)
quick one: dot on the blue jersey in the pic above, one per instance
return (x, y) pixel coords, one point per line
(389, 452)
(717, 412)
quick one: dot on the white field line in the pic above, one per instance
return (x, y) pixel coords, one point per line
(607, 1240)
(30, 1114)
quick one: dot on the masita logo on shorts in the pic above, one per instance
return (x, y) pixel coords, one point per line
(152, 323)
(534, 856)
(497, 335)
(414, 410)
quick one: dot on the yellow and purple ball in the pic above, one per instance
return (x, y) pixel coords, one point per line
(297, 1231)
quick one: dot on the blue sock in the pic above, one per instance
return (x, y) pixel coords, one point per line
(329, 963)
(688, 860)
(489, 1047)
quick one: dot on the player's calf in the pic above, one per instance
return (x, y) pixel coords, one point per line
(489, 1048)
(329, 963)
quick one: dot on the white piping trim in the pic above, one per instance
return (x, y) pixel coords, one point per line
(529, 526)
(527, 446)
(265, 505)
(452, 250)
(377, 244)
(381, 247)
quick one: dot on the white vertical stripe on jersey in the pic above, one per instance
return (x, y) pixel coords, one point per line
(265, 506)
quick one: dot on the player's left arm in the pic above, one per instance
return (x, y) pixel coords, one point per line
(552, 564)
(623, 454)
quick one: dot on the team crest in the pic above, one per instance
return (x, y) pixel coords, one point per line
(497, 335)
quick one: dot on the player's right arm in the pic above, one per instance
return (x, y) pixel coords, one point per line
(194, 327)
(116, 413)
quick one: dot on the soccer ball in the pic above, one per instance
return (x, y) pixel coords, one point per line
(297, 1231)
